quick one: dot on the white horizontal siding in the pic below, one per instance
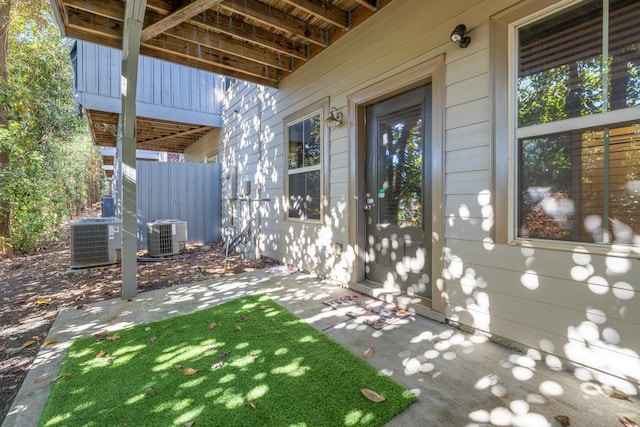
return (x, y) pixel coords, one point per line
(486, 284)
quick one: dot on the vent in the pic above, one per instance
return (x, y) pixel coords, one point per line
(95, 241)
(166, 237)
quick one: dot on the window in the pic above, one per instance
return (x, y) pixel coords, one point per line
(577, 124)
(304, 166)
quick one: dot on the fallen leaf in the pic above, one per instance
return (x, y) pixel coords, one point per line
(212, 325)
(217, 364)
(28, 343)
(66, 377)
(238, 328)
(243, 319)
(368, 353)
(563, 420)
(611, 392)
(110, 360)
(13, 350)
(254, 357)
(224, 354)
(43, 300)
(626, 421)
(178, 367)
(189, 371)
(49, 342)
(113, 337)
(153, 338)
(101, 353)
(41, 378)
(372, 395)
(253, 405)
(147, 329)
(100, 336)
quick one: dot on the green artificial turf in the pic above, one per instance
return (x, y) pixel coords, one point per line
(273, 370)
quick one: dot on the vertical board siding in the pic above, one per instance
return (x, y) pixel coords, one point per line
(181, 90)
(189, 192)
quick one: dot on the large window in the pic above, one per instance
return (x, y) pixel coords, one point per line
(304, 166)
(577, 89)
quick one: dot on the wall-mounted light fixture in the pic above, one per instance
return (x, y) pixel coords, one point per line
(335, 118)
(458, 36)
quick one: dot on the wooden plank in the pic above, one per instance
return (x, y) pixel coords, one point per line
(178, 17)
(252, 34)
(367, 4)
(224, 43)
(274, 18)
(213, 67)
(324, 11)
(179, 47)
(112, 9)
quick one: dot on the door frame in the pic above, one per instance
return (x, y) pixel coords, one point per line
(433, 72)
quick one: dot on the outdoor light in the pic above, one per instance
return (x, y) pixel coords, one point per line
(335, 118)
(458, 37)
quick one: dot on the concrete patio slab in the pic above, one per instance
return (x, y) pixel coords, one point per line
(461, 379)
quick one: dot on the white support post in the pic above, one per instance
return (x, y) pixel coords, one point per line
(133, 20)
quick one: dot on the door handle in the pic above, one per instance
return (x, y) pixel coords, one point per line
(368, 202)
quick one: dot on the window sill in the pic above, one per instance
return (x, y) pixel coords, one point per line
(620, 251)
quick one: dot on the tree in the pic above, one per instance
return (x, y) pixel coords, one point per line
(5, 8)
(45, 175)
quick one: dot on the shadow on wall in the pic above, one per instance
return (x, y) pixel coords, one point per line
(579, 306)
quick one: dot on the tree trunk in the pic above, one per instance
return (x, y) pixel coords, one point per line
(5, 207)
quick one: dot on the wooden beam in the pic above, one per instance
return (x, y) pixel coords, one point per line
(172, 45)
(195, 62)
(177, 17)
(325, 12)
(274, 18)
(133, 19)
(252, 34)
(103, 31)
(367, 4)
(176, 135)
(224, 43)
(112, 9)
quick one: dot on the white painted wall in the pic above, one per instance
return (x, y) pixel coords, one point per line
(580, 306)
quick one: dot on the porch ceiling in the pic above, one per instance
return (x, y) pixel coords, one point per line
(152, 134)
(261, 41)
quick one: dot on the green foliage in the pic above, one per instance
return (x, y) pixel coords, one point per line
(51, 158)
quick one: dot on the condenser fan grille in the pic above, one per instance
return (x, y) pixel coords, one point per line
(164, 239)
(94, 242)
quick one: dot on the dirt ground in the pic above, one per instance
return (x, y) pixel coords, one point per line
(35, 287)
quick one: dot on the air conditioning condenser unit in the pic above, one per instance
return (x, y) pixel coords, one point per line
(95, 242)
(166, 237)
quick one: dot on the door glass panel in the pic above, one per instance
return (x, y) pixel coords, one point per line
(400, 145)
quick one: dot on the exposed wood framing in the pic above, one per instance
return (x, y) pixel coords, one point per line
(262, 41)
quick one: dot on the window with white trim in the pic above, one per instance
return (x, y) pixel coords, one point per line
(577, 123)
(304, 138)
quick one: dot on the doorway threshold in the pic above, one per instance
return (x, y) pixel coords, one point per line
(420, 305)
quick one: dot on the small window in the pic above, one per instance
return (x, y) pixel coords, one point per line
(304, 166)
(577, 124)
